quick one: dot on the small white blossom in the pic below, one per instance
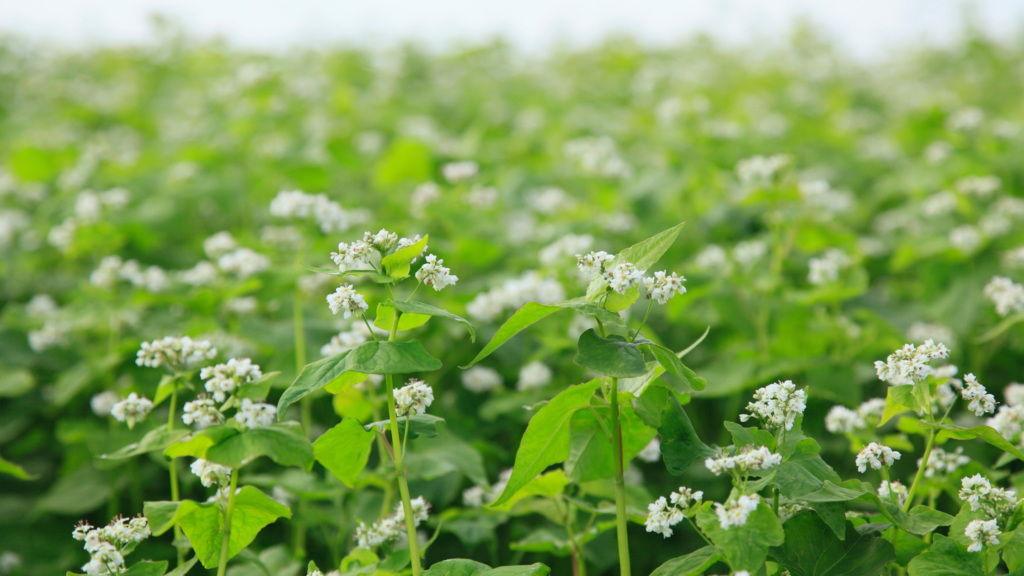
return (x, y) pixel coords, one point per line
(423, 195)
(713, 259)
(51, 335)
(980, 186)
(345, 299)
(1014, 394)
(328, 214)
(568, 245)
(132, 409)
(593, 263)
(549, 201)
(661, 517)
(760, 170)
(534, 375)
(211, 473)
(939, 204)
(413, 399)
(825, 270)
(872, 409)
(243, 262)
(909, 364)
(254, 415)
(435, 275)
(108, 272)
(748, 460)
(965, 119)
(1007, 295)
(598, 156)
(842, 420)
(354, 256)
(204, 273)
(103, 403)
(481, 379)
(651, 452)
(662, 287)
(982, 533)
(382, 241)
(981, 402)
(893, 491)
(777, 405)
(749, 252)
(62, 235)
(941, 463)
(474, 497)
(481, 197)
(965, 238)
(223, 379)
(176, 353)
(876, 456)
(42, 306)
(455, 172)
(202, 412)
(623, 276)
(735, 513)
(219, 244)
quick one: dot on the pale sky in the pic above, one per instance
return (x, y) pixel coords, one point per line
(867, 28)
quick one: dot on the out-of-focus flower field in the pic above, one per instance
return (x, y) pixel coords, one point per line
(833, 211)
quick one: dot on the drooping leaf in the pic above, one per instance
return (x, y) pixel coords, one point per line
(986, 433)
(398, 263)
(694, 563)
(744, 436)
(12, 469)
(680, 445)
(154, 440)
(670, 362)
(419, 308)
(612, 356)
(368, 358)
(546, 440)
(921, 519)
(811, 549)
(745, 547)
(548, 485)
(946, 557)
(455, 567)
(386, 318)
(284, 443)
(204, 523)
(637, 385)
(344, 450)
(643, 255)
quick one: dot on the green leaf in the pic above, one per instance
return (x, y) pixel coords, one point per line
(184, 568)
(670, 362)
(648, 407)
(154, 440)
(921, 519)
(371, 274)
(898, 400)
(433, 458)
(259, 389)
(386, 317)
(284, 443)
(546, 440)
(811, 549)
(344, 381)
(694, 563)
(12, 469)
(680, 445)
(368, 358)
(591, 455)
(643, 255)
(455, 567)
(745, 547)
(145, 568)
(1013, 551)
(531, 570)
(947, 557)
(582, 306)
(804, 472)
(611, 356)
(15, 383)
(985, 433)
(204, 523)
(547, 485)
(344, 450)
(636, 386)
(420, 425)
(398, 263)
(616, 302)
(743, 436)
(419, 308)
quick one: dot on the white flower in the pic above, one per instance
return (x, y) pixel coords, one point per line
(825, 270)
(223, 379)
(311, 284)
(549, 201)
(895, 489)
(598, 156)
(623, 276)
(103, 403)
(473, 497)
(88, 208)
(759, 170)
(203, 273)
(9, 562)
(434, 274)
(211, 473)
(939, 204)
(749, 252)
(132, 409)
(1005, 294)
(345, 299)
(876, 455)
(922, 331)
(41, 306)
(328, 214)
(406, 242)
(62, 235)
(413, 399)
(593, 263)
(281, 237)
(965, 238)
(651, 452)
(344, 341)
(842, 420)
(1014, 394)
(712, 258)
(981, 402)
(242, 306)
(420, 511)
(219, 244)
(108, 273)
(662, 287)
(202, 412)
(661, 517)
(982, 532)
(980, 186)
(176, 353)
(514, 293)
(735, 513)
(1014, 259)
(423, 195)
(568, 245)
(254, 415)
(965, 119)
(51, 335)
(534, 375)
(872, 408)
(749, 459)
(380, 532)
(941, 462)
(909, 364)
(455, 172)
(481, 379)
(777, 405)
(381, 241)
(243, 262)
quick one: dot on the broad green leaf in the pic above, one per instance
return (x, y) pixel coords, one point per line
(811, 549)
(591, 454)
(344, 450)
(344, 382)
(259, 389)
(694, 563)
(611, 356)
(670, 362)
(368, 358)
(204, 523)
(601, 313)
(1013, 551)
(420, 425)
(284, 443)
(434, 457)
(804, 472)
(745, 547)
(455, 567)
(154, 440)
(986, 433)
(643, 255)
(184, 568)
(547, 485)
(947, 557)
(636, 386)
(546, 440)
(15, 383)
(74, 494)
(12, 469)
(371, 274)
(898, 400)
(145, 568)
(616, 302)
(743, 436)
(921, 519)
(649, 406)
(398, 263)
(421, 309)
(531, 570)
(680, 446)
(386, 317)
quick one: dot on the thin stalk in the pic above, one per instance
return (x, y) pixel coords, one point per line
(895, 502)
(223, 566)
(175, 494)
(637, 333)
(403, 484)
(620, 483)
(306, 410)
(927, 454)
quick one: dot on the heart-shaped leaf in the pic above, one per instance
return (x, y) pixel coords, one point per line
(421, 309)
(612, 356)
(398, 263)
(344, 450)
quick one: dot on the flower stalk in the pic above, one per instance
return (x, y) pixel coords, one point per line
(223, 566)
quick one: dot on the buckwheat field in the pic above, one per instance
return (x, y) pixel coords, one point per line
(613, 310)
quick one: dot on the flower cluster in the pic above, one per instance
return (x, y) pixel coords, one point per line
(112, 269)
(481, 379)
(652, 452)
(941, 463)
(623, 276)
(910, 364)
(894, 492)
(434, 274)
(980, 401)
(514, 293)
(108, 546)
(760, 169)
(413, 398)
(1007, 295)
(533, 375)
(662, 287)
(351, 256)
(565, 246)
(991, 500)
(175, 353)
(328, 214)
(357, 335)
(982, 532)
(747, 460)
(736, 511)
(243, 262)
(876, 456)
(1008, 421)
(825, 269)
(777, 405)
(211, 473)
(223, 379)
(594, 263)
(390, 527)
(202, 412)
(132, 409)
(345, 299)
(661, 516)
(842, 420)
(254, 415)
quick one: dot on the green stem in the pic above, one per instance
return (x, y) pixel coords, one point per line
(920, 470)
(223, 566)
(306, 410)
(175, 494)
(895, 502)
(620, 483)
(637, 333)
(403, 484)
